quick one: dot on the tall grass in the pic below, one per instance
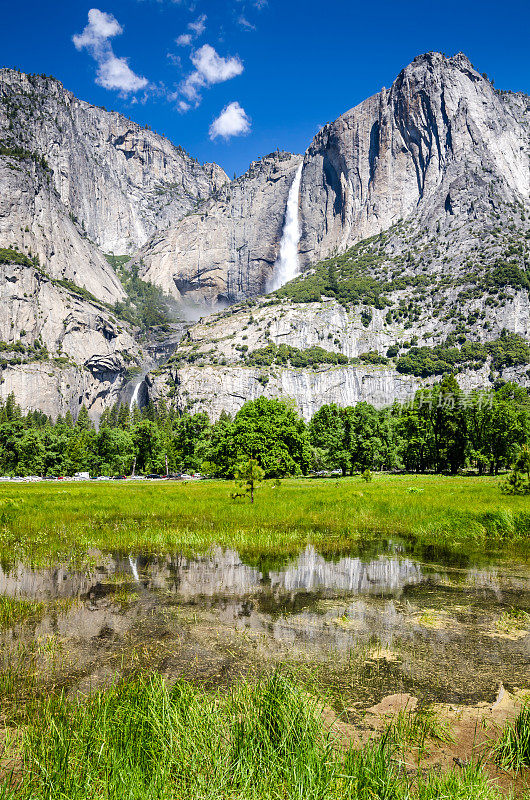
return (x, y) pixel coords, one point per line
(141, 740)
(415, 728)
(512, 750)
(14, 610)
(59, 520)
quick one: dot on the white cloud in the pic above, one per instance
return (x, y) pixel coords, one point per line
(184, 39)
(210, 68)
(101, 26)
(213, 68)
(232, 121)
(113, 72)
(190, 87)
(199, 25)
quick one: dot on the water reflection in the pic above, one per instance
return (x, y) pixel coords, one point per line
(312, 572)
(187, 611)
(219, 572)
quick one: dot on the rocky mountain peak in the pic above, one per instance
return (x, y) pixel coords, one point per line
(440, 129)
(413, 208)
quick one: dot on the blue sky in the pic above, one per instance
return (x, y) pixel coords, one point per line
(280, 69)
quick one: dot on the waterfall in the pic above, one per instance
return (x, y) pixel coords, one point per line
(134, 569)
(287, 265)
(134, 398)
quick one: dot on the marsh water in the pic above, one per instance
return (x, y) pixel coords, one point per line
(364, 624)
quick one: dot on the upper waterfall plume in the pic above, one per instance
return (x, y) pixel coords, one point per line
(287, 265)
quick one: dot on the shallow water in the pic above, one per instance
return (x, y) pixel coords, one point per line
(365, 625)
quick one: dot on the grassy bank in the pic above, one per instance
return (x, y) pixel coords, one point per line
(42, 521)
(142, 740)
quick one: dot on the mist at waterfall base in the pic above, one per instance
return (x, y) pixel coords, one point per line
(287, 265)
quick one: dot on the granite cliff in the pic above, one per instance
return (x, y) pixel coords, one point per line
(414, 209)
(77, 182)
(441, 141)
(226, 249)
(414, 216)
(119, 181)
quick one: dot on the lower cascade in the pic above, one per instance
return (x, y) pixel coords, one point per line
(134, 398)
(287, 265)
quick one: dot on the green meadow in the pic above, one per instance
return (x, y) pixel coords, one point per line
(144, 737)
(46, 521)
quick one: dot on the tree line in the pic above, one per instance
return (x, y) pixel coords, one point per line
(440, 430)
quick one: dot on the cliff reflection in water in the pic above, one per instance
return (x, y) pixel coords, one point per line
(312, 572)
(219, 572)
(215, 614)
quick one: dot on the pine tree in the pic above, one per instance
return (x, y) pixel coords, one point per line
(83, 420)
(124, 417)
(247, 475)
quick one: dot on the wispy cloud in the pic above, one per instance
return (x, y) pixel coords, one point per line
(243, 21)
(184, 40)
(210, 68)
(232, 121)
(113, 72)
(196, 28)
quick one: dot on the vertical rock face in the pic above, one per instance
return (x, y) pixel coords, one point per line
(120, 181)
(440, 142)
(435, 169)
(59, 348)
(76, 182)
(33, 219)
(225, 251)
(427, 147)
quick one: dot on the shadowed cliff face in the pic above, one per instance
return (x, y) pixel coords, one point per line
(426, 147)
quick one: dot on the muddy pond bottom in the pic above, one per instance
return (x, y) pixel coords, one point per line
(362, 626)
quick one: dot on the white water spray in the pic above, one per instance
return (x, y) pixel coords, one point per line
(287, 265)
(134, 398)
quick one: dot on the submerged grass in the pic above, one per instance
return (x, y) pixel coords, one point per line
(49, 521)
(143, 740)
(514, 619)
